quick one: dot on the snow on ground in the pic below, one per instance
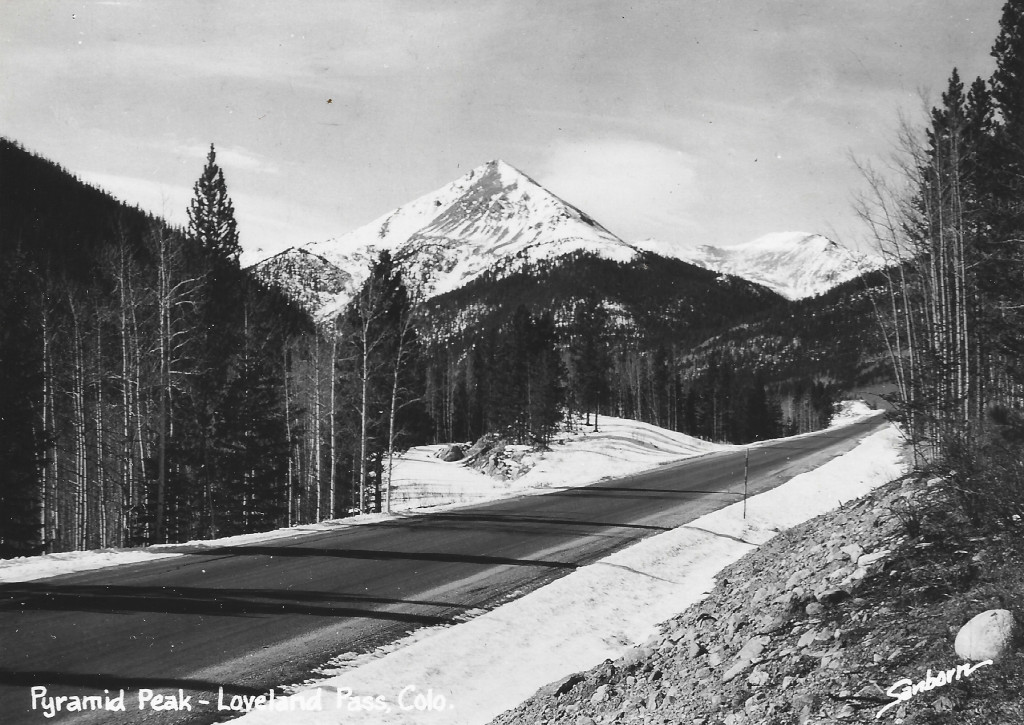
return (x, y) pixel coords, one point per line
(423, 482)
(850, 411)
(620, 447)
(27, 568)
(471, 672)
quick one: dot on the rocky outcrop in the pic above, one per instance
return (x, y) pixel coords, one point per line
(493, 456)
(452, 453)
(485, 455)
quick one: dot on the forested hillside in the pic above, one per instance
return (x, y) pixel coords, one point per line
(150, 390)
(662, 341)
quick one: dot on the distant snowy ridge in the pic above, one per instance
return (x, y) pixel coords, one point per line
(794, 264)
(493, 219)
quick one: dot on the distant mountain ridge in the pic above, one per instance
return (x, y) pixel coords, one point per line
(794, 264)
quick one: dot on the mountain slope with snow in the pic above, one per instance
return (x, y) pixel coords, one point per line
(794, 264)
(495, 218)
(306, 278)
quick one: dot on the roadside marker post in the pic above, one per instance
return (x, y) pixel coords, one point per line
(746, 467)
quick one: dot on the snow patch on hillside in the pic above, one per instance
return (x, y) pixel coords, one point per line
(486, 665)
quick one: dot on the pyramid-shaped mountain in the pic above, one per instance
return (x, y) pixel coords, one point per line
(495, 219)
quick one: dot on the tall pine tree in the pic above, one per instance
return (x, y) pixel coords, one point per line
(206, 463)
(21, 433)
(211, 214)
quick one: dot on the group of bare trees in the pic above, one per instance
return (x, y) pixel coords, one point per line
(380, 345)
(952, 227)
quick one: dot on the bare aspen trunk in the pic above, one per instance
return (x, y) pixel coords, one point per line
(101, 478)
(48, 510)
(288, 434)
(364, 421)
(78, 534)
(317, 414)
(391, 431)
(127, 460)
(165, 341)
(332, 444)
(400, 353)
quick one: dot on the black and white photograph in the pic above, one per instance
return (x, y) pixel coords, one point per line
(511, 362)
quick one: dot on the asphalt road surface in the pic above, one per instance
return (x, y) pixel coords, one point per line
(249, 618)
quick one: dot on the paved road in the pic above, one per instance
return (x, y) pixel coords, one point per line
(247, 618)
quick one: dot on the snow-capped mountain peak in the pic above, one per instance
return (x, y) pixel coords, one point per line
(493, 219)
(794, 264)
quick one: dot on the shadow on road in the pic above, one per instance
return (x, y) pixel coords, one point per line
(541, 520)
(193, 600)
(374, 554)
(667, 494)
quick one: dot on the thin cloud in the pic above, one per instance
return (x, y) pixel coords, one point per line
(636, 188)
(231, 157)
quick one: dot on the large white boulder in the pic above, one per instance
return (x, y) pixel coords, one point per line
(989, 636)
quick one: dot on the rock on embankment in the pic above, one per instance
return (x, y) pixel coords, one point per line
(801, 630)
(988, 636)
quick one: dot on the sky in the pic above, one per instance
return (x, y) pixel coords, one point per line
(696, 121)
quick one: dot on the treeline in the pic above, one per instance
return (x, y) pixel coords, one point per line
(509, 380)
(522, 393)
(952, 312)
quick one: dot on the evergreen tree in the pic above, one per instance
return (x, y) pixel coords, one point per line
(255, 459)
(21, 436)
(1005, 170)
(1008, 77)
(545, 391)
(589, 354)
(208, 447)
(508, 378)
(759, 418)
(211, 214)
